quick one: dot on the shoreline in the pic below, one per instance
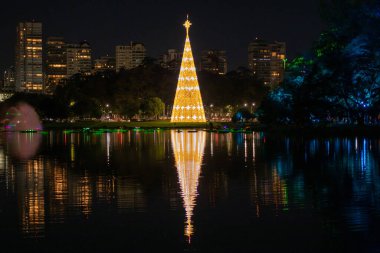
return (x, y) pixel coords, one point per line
(223, 127)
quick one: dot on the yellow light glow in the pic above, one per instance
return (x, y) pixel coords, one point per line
(188, 151)
(188, 105)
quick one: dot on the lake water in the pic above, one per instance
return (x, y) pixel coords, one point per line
(168, 191)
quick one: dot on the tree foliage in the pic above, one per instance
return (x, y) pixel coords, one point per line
(341, 80)
(145, 91)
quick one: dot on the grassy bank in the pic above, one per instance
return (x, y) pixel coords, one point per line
(326, 130)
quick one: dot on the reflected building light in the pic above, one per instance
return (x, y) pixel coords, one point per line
(128, 138)
(363, 156)
(86, 138)
(85, 195)
(59, 178)
(254, 136)
(51, 140)
(159, 151)
(106, 188)
(82, 195)
(255, 198)
(229, 144)
(212, 144)
(3, 168)
(245, 148)
(337, 146)
(327, 143)
(58, 191)
(108, 143)
(280, 193)
(366, 162)
(72, 152)
(268, 189)
(7, 172)
(74, 138)
(32, 198)
(188, 151)
(356, 144)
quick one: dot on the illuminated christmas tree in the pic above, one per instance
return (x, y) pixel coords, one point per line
(188, 105)
(188, 150)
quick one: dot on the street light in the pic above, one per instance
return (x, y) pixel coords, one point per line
(107, 111)
(211, 106)
(253, 105)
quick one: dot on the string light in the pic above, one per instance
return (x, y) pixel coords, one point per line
(188, 105)
(188, 151)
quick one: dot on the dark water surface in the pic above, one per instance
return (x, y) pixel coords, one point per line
(166, 191)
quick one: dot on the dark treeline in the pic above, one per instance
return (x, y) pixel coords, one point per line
(340, 79)
(143, 92)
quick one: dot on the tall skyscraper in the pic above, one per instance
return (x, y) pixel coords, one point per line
(29, 75)
(266, 61)
(188, 105)
(130, 56)
(78, 59)
(9, 79)
(171, 60)
(104, 63)
(56, 66)
(213, 61)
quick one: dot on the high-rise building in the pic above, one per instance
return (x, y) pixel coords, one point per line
(171, 60)
(29, 75)
(78, 59)
(130, 56)
(121, 57)
(9, 79)
(213, 61)
(56, 66)
(104, 63)
(266, 61)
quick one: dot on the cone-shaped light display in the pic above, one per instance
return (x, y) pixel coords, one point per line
(188, 105)
(188, 150)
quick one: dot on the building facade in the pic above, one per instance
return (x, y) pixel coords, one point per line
(130, 56)
(28, 65)
(171, 60)
(214, 61)
(9, 81)
(266, 61)
(56, 62)
(104, 63)
(78, 58)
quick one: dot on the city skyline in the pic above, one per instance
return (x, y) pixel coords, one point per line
(120, 22)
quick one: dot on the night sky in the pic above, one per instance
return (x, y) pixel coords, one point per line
(228, 25)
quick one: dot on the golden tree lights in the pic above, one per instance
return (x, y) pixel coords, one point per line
(188, 151)
(188, 105)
